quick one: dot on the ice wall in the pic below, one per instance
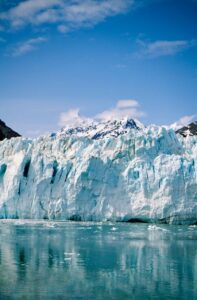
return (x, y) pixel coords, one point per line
(143, 174)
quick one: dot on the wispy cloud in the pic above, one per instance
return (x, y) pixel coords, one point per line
(74, 118)
(27, 46)
(68, 14)
(124, 108)
(162, 47)
(183, 121)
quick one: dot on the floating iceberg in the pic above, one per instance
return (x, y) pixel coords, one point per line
(117, 171)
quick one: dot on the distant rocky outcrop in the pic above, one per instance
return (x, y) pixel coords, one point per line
(190, 129)
(6, 132)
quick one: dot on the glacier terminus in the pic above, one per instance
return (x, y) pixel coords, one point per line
(113, 171)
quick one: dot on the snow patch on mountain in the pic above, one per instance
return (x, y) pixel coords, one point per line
(189, 130)
(98, 130)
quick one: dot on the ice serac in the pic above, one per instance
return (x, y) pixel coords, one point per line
(117, 170)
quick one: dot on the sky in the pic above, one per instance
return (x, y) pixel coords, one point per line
(64, 60)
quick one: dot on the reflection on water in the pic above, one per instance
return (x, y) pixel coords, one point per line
(57, 260)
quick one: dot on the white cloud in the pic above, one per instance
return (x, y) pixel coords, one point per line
(127, 103)
(182, 122)
(27, 46)
(162, 47)
(27, 12)
(124, 108)
(71, 13)
(73, 118)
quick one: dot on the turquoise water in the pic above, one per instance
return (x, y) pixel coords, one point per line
(90, 261)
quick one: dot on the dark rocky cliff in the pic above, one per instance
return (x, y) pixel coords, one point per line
(190, 129)
(6, 132)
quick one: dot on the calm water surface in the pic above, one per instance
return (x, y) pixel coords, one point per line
(90, 261)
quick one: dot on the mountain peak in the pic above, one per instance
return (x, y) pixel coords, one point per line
(189, 130)
(97, 130)
(6, 132)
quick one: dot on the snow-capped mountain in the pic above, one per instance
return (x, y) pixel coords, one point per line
(117, 170)
(6, 132)
(99, 130)
(190, 130)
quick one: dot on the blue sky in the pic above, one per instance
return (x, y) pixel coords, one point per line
(58, 57)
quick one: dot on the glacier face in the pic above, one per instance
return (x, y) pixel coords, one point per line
(145, 174)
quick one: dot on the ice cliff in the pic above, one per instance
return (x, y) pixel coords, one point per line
(119, 171)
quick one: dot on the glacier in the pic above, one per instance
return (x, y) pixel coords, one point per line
(115, 171)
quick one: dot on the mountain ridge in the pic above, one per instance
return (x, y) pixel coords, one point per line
(6, 132)
(98, 130)
(188, 130)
